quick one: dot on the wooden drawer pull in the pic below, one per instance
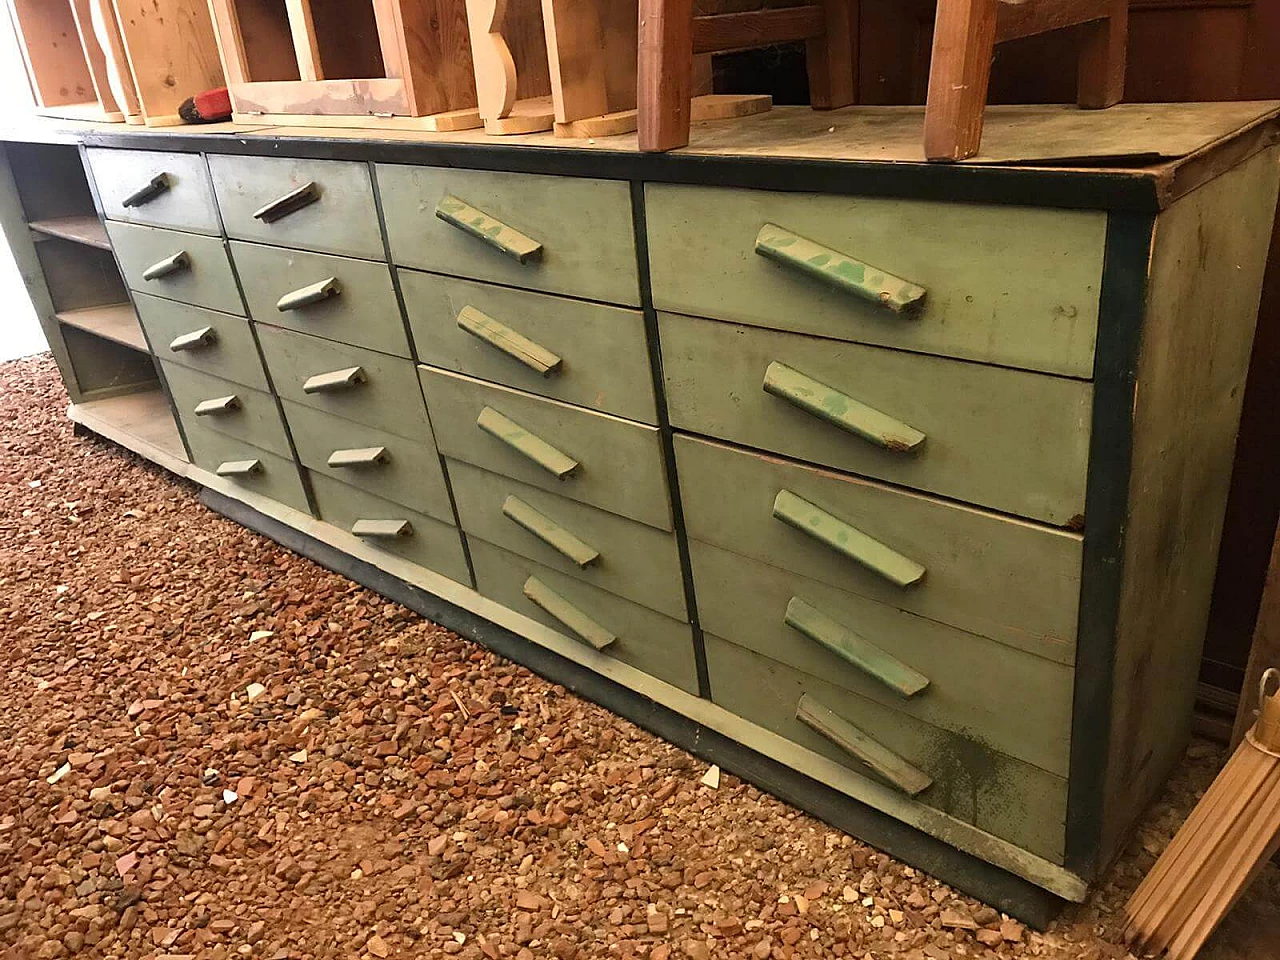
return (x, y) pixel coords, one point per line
(382, 529)
(172, 264)
(480, 225)
(841, 410)
(312, 293)
(815, 522)
(360, 457)
(849, 646)
(559, 465)
(195, 340)
(535, 357)
(217, 406)
(145, 194)
(564, 611)
(291, 202)
(550, 532)
(335, 380)
(239, 468)
(857, 744)
(835, 269)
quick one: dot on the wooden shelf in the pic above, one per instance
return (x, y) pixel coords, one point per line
(141, 422)
(86, 229)
(115, 321)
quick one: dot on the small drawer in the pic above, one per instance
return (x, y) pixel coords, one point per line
(157, 189)
(583, 353)
(560, 234)
(350, 301)
(229, 408)
(247, 467)
(613, 464)
(1007, 439)
(965, 778)
(1010, 580)
(214, 343)
(324, 205)
(361, 385)
(634, 634)
(602, 548)
(1016, 286)
(383, 464)
(392, 527)
(179, 266)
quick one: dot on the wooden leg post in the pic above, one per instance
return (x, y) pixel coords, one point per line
(964, 37)
(665, 80)
(1103, 47)
(830, 58)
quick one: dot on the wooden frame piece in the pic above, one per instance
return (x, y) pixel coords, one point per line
(512, 70)
(66, 65)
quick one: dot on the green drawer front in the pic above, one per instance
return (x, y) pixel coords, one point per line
(251, 417)
(1005, 797)
(247, 467)
(205, 340)
(162, 189)
(645, 639)
(598, 355)
(598, 547)
(574, 236)
(384, 464)
(1010, 580)
(384, 393)
(324, 205)
(922, 668)
(419, 539)
(350, 301)
(1007, 439)
(1010, 285)
(615, 464)
(182, 266)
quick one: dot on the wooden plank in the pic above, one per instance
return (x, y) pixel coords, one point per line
(323, 97)
(963, 40)
(51, 47)
(114, 321)
(1265, 652)
(306, 45)
(1103, 48)
(576, 56)
(829, 59)
(106, 27)
(141, 422)
(436, 57)
(95, 57)
(86, 229)
(759, 28)
(664, 74)
(1014, 20)
(172, 52)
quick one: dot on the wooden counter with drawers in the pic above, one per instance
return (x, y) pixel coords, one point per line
(894, 488)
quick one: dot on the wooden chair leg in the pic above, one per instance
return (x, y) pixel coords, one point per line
(830, 58)
(1103, 48)
(664, 74)
(964, 36)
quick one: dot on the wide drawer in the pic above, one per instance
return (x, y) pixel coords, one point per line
(616, 554)
(383, 464)
(247, 467)
(338, 298)
(560, 234)
(324, 205)
(928, 670)
(584, 353)
(392, 527)
(229, 408)
(1011, 285)
(1010, 580)
(179, 266)
(206, 340)
(159, 189)
(968, 780)
(632, 633)
(593, 457)
(1008, 439)
(351, 382)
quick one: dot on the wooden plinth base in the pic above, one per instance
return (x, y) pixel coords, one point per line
(527, 116)
(448, 122)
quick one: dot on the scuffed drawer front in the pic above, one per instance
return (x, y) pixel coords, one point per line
(179, 266)
(324, 205)
(206, 340)
(1010, 285)
(626, 631)
(247, 467)
(158, 189)
(229, 408)
(560, 234)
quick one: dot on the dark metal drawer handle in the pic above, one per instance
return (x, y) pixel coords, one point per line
(239, 468)
(157, 185)
(840, 409)
(495, 233)
(550, 532)
(312, 293)
(217, 406)
(291, 202)
(887, 764)
(359, 457)
(195, 340)
(835, 269)
(171, 264)
(335, 380)
(382, 529)
(815, 522)
(854, 649)
(569, 615)
(559, 465)
(534, 356)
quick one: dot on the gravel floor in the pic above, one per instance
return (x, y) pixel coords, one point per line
(210, 747)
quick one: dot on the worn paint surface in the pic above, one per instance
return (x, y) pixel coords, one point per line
(857, 743)
(515, 345)
(569, 615)
(854, 648)
(492, 231)
(531, 447)
(550, 532)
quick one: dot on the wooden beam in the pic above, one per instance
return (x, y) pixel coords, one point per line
(742, 31)
(305, 43)
(1014, 20)
(963, 42)
(1104, 45)
(665, 73)
(830, 57)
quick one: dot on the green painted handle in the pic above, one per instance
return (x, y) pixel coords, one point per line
(145, 194)
(359, 457)
(841, 410)
(171, 264)
(569, 615)
(834, 268)
(559, 465)
(839, 536)
(480, 225)
(335, 380)
(239, 468)
(311, 293)
(534, 356)
(291, 202)
(851, 647)
(887, 764)
(195, 340)
(550, 532)
(216, 406)
(382, 529)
